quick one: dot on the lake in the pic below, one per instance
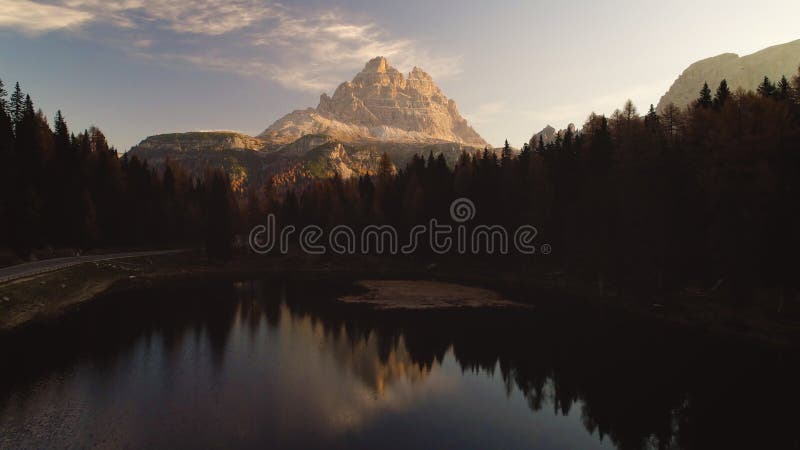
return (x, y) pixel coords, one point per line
(282, 364)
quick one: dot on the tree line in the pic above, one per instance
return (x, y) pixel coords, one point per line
(62, 190)
(707, 195)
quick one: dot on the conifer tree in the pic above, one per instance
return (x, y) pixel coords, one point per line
(722, 95)
(651, 118)
(28, 111)
(61, 132)
(6, 126)
(506, 154)
(705, 101)
(766, 89)
(3, 100)
(17, 106)
(784, 90)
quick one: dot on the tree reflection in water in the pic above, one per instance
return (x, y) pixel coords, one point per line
(638, 383)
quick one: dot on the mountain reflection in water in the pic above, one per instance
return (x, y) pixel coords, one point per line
(266, 363)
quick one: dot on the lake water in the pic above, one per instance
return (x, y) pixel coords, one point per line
(277, 364)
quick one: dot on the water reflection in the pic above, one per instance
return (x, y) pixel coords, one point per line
(221, 364)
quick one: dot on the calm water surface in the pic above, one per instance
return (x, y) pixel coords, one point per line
(281, 365)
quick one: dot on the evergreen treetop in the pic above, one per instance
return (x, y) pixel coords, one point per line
(722, 95)
(705, 101)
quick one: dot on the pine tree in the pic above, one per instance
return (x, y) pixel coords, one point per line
(61, 132)
(705, 101)
(784, 90)
(722, 95)
(506, 154)
(651, 118)
(3, 101)
(6, 126)
(28, 110)
(17, 106)
(767, 89)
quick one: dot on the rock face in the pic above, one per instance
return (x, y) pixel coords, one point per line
(741, 72)
(198, 142)
(380, 110)
(380, 104)
(238, 154)
(548, 135)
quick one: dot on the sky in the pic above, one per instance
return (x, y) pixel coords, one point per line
(136, 68)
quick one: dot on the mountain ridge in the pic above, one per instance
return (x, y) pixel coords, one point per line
(744, 72)
(380, 104)
(379, 110)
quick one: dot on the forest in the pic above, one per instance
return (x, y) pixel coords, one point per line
(704, 196)
(708, 195)
(62, 190)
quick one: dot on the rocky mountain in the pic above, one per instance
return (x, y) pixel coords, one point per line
(380, 104)
(380, 110)
(740, 72)
(549, 134)
(198, 150)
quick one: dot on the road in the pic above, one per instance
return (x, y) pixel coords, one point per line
(48, 265)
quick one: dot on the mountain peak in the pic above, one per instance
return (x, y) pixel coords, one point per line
(378, 64)
(417, 72)
(380, 104)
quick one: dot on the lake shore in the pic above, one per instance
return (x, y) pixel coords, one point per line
(48, 296)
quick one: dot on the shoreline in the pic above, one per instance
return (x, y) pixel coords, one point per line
(47, 297)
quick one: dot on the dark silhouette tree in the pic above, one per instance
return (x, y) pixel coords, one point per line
(783, 90)
(766, 89)
(651, 120)
(722, 95)
(17, 106)
(219, 235)
(705, 101)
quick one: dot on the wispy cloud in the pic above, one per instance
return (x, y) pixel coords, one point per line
(35, 18)
(301, 50)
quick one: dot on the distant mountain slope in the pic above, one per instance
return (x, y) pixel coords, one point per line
(740, 72)
(251, 160)
(239, 154)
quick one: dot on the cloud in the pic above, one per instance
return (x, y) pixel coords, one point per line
(299, 49)
(36, 18)
(207, 17)
(315, 53)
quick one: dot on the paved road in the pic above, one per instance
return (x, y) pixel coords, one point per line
(48, 265)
